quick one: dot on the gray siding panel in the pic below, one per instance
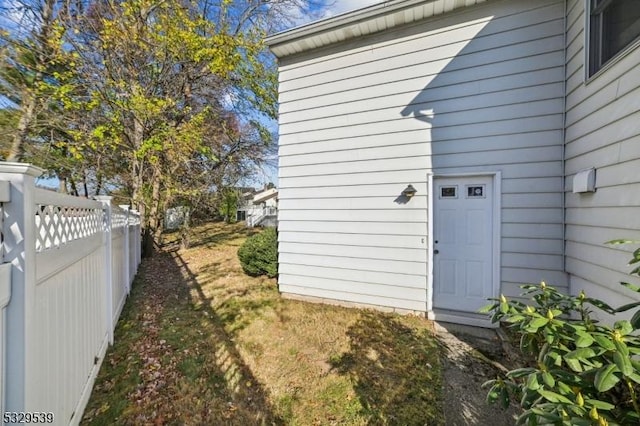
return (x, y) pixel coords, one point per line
(356, 227)
(408, 282)
(470, 92)
(382, 253)
(358, 264)
(400, 241)
(602, 131)
(621, 173)
(344, 292)
(533, 246)
(361, 215)
(477, 86)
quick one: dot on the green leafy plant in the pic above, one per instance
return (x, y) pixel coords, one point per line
(229, 205)
(581, 372)
(259, 254)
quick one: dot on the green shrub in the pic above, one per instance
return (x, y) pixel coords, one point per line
(259, 254)
(582, 372)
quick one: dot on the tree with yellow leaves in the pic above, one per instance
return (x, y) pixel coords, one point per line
(160, 100)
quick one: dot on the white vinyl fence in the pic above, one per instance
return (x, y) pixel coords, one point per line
(67, 268)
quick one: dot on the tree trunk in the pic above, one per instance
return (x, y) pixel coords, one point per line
(74, 188)
(62, 184)
(16, 153)
(155, 211)
(154, 228)
(84, 184)
(147, 243)
(184, 229)
(29, 98)
(137, 138)
(137, 182)
(136, 188)
(98, 183)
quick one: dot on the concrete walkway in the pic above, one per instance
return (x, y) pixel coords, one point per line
(473, 356)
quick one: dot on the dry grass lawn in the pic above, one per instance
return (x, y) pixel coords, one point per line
(199, 342)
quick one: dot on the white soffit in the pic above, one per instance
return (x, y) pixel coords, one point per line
(358, 23)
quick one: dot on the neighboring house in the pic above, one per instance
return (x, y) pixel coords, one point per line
(245, 203)
(174, 217)
(489, 110)
(265, 209)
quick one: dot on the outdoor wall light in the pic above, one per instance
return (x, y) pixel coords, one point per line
(409, 191)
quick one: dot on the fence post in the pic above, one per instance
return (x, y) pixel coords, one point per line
(19, 251)
(5, 296)
(127, 248)
(108, 252)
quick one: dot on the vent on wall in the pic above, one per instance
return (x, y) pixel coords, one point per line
(585, 181)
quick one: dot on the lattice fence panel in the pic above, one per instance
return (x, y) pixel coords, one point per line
(58, 225)
(118, 218)
(1, 232)
(134, 219)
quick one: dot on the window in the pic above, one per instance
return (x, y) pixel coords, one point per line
(475, 191)
(613, 25)
(448, 191)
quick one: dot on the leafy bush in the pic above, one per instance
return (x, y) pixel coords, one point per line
(582, 372)
(259, 254)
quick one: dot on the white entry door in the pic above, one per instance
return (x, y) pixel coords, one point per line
(463, 243)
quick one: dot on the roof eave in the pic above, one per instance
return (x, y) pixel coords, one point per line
(349, 25)
(336, 21)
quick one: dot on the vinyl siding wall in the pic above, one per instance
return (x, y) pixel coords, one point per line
(473, 91)
(602, 131)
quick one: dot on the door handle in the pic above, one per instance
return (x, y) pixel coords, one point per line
(436, 251)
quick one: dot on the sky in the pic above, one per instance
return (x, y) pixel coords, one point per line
(325, 9)
(322, 9)
(340, 6)
(10, 14)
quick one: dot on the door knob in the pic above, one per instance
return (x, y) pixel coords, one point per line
(436, 251)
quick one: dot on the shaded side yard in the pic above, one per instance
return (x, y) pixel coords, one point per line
(199, 342)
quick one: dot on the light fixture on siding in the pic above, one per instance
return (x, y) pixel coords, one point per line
(409, 191)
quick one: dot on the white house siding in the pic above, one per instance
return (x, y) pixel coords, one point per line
(480, 90)
(602, 131)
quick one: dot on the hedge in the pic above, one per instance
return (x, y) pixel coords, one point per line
(259, 254)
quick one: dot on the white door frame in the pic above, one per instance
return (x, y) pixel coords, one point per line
(497, 233)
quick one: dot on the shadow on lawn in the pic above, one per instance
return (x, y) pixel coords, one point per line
(236, 307)
(244, 391)
(173, 362)
(393, 367)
